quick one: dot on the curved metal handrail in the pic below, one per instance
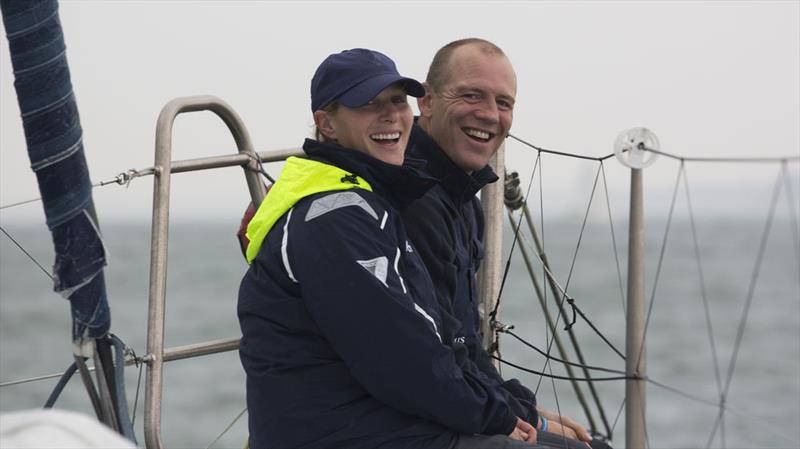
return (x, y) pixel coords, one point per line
(160, 230)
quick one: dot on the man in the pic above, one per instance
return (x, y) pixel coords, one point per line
(465, 116)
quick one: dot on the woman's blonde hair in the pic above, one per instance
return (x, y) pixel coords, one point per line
(331, 107)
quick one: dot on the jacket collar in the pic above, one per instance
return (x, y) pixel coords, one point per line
(455, 181)
(399, 184)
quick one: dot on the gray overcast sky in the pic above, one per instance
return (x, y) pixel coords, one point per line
(710, 78)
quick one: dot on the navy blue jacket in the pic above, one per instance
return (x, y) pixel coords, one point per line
(446, 225)
(341, 338)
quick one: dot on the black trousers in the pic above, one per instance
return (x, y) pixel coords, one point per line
(544, 440)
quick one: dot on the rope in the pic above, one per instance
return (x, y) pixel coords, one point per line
(125, 423)
(51, 400)
(550, 357)
(555, 376)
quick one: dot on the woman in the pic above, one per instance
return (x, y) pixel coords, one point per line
(340, 331)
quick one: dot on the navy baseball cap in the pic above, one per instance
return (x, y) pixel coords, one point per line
(354, 77)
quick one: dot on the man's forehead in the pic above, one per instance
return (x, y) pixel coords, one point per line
(484, 78)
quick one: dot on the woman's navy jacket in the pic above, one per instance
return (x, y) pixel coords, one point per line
(446, 225)
(341, 338)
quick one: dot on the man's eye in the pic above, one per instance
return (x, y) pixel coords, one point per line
(472, 97)
(505, 105)
(400, 99)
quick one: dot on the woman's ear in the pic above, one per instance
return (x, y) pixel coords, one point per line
(324, 125)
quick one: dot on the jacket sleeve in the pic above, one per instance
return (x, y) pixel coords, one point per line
(432, 233)
(347, 269)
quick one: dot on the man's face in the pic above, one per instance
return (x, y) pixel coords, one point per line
(380, 128)
(472, 113)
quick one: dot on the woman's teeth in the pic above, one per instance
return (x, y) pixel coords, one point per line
(385, 136)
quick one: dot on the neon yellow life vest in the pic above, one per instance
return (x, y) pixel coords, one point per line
(300, 178)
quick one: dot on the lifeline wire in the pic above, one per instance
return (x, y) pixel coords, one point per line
(662, 153)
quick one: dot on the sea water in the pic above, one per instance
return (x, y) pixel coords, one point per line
(203, 396)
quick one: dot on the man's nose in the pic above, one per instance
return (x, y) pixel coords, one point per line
(488, 112)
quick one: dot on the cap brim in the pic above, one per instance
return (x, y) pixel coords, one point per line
(363, 92)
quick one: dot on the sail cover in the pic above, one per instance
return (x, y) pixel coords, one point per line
(55, 147)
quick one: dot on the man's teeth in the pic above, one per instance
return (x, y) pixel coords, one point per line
(479, 134)
(386, 136)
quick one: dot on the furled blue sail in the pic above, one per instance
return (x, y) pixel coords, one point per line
(55, 147)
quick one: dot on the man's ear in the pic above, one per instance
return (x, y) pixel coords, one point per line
(324, 125)
(424, 103)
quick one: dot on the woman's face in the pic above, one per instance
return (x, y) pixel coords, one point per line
(380, 128)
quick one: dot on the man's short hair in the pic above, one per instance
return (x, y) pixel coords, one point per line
(437, 73)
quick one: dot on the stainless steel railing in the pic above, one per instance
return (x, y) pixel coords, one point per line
(162, 170)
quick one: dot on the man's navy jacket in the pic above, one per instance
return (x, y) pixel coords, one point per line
(341, 338)
(446, 226)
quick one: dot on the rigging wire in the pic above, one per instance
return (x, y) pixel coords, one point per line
(662, 252)
(703, 293)
(570, 300)
(792, 211)
(560, 312)
(748, 301)
(613, 237)
(139, 364)
(619, 413)
(224, 431)
(27, 253)
(578, 244)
